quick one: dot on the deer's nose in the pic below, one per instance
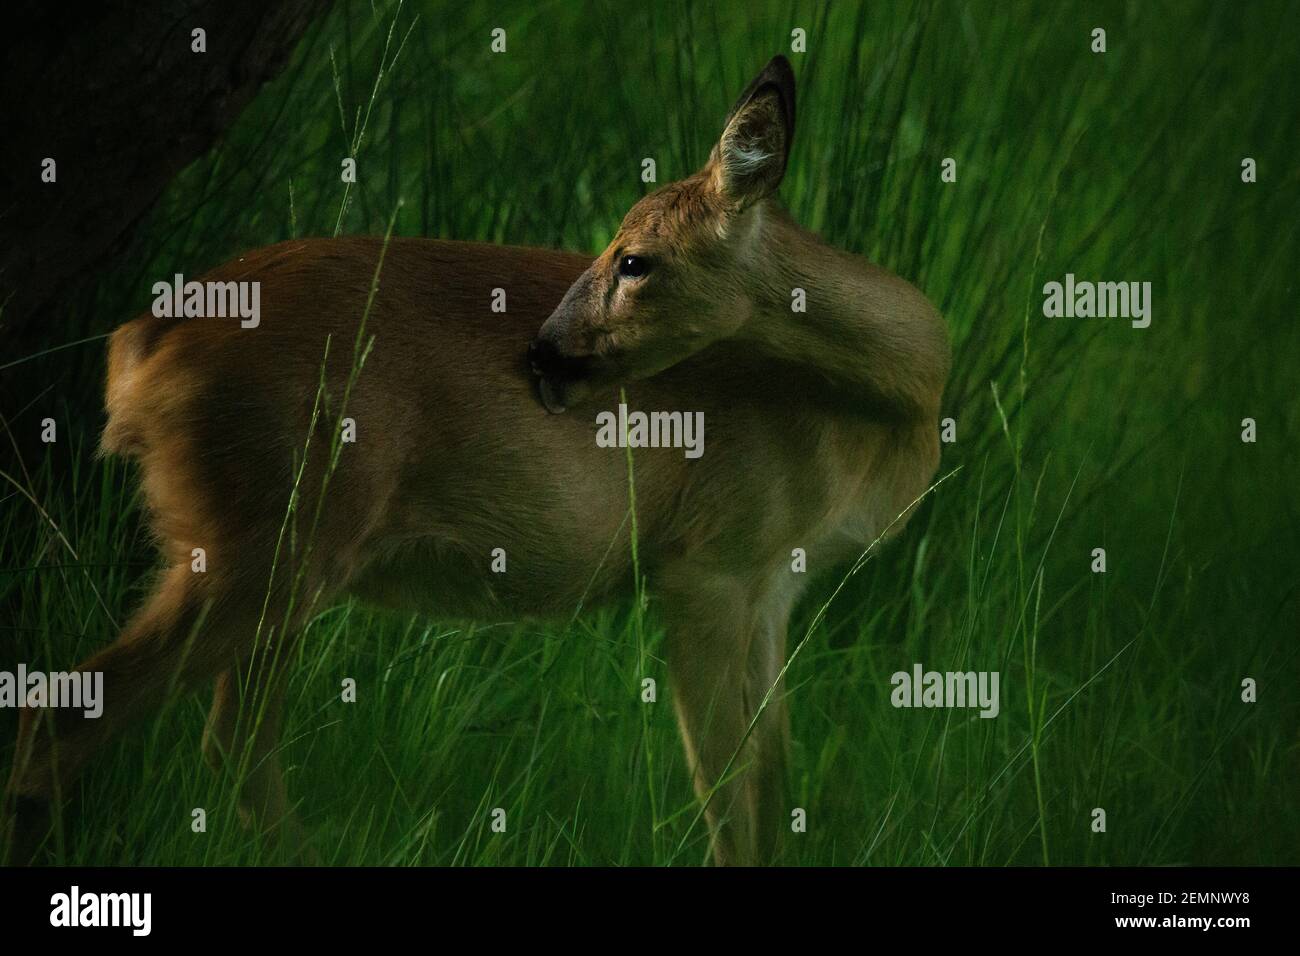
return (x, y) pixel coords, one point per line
(548, 361)
(548, 366)
(543, 357)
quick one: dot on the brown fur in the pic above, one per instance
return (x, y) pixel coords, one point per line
(820, 430)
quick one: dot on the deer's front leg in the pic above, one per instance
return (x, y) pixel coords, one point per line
(713, 626)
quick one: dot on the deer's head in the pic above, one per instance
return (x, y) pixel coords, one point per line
(678, 274)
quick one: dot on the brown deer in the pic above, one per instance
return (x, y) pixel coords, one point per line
(474, 431)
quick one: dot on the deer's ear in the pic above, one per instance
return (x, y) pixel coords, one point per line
(749, 160)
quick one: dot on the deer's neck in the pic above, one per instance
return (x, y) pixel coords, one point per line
(871, 336)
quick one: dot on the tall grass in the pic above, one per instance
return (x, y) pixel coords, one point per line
(1120, 690)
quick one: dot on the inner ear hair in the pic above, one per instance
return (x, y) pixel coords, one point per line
(750, 157)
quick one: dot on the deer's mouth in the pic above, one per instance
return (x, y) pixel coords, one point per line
(556, 373)
(552, 394)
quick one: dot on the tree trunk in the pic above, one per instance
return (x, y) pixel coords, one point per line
(120, 100)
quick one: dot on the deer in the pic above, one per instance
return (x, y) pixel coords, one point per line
(474, 431)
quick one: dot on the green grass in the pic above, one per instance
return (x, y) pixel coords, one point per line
(1119, 690)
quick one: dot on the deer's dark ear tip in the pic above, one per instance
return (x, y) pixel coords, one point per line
(780, 73)
(779, 66)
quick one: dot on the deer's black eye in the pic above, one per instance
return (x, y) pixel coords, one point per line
(633, 267)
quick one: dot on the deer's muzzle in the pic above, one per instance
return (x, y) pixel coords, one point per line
(555, 372)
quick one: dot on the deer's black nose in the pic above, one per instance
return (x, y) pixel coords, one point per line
(544, 358)
(547, 361)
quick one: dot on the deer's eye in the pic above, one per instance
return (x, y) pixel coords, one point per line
(633, 267)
